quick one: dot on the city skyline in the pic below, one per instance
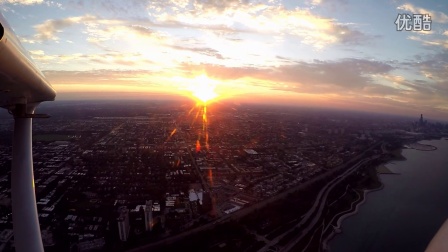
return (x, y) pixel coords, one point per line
(341, 54)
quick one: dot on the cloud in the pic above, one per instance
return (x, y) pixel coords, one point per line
(142, 82)
(49, 29)
(23, 2)
(218, 5)
(144, 31)
(263, 18)
(350, 81)
(431, 91)
(436, 16)
(129, 8)
(435, 67)
(126, 7)
(427, 42)
(333, 3)
(101, 76)
(304, 77)
(201, 50)
(100, 31)
(28, 3)
(111, 80)
(97, 30)
(410, 87)
(221, 72)
(105, 33)
(110, 59)
(346, 72)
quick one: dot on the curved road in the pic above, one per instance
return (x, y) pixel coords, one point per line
(322, 203)
(315, 211)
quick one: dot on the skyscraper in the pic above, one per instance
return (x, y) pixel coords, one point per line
(123, 223)
(148, 215)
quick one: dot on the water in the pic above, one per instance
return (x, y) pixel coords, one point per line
(406, 214)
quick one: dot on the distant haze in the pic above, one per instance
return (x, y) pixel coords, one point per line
(261, 100)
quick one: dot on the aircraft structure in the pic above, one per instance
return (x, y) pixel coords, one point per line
(22, 88)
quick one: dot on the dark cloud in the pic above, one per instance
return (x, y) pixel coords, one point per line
(435, 64)
(345, 73)
(315, 77)
(347, 35)
(435, 68)
(145, 31)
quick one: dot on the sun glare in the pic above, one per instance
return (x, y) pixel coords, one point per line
(203, 88)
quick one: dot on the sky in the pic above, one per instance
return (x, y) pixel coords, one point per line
(345, 54)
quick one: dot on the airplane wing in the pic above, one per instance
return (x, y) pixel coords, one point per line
(440, 240)
(19, 76)
(22, 88)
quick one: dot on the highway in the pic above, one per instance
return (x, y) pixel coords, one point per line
(321, 203)
(315, 211)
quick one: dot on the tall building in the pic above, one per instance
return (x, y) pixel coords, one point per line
(123, 223)
(148, 215)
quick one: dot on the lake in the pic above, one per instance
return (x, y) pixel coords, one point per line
(407, 213)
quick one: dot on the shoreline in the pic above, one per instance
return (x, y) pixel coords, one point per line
(354, 208)
(381, 170)
(420, 147)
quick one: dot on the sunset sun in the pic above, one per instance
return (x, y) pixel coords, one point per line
(203, 88)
